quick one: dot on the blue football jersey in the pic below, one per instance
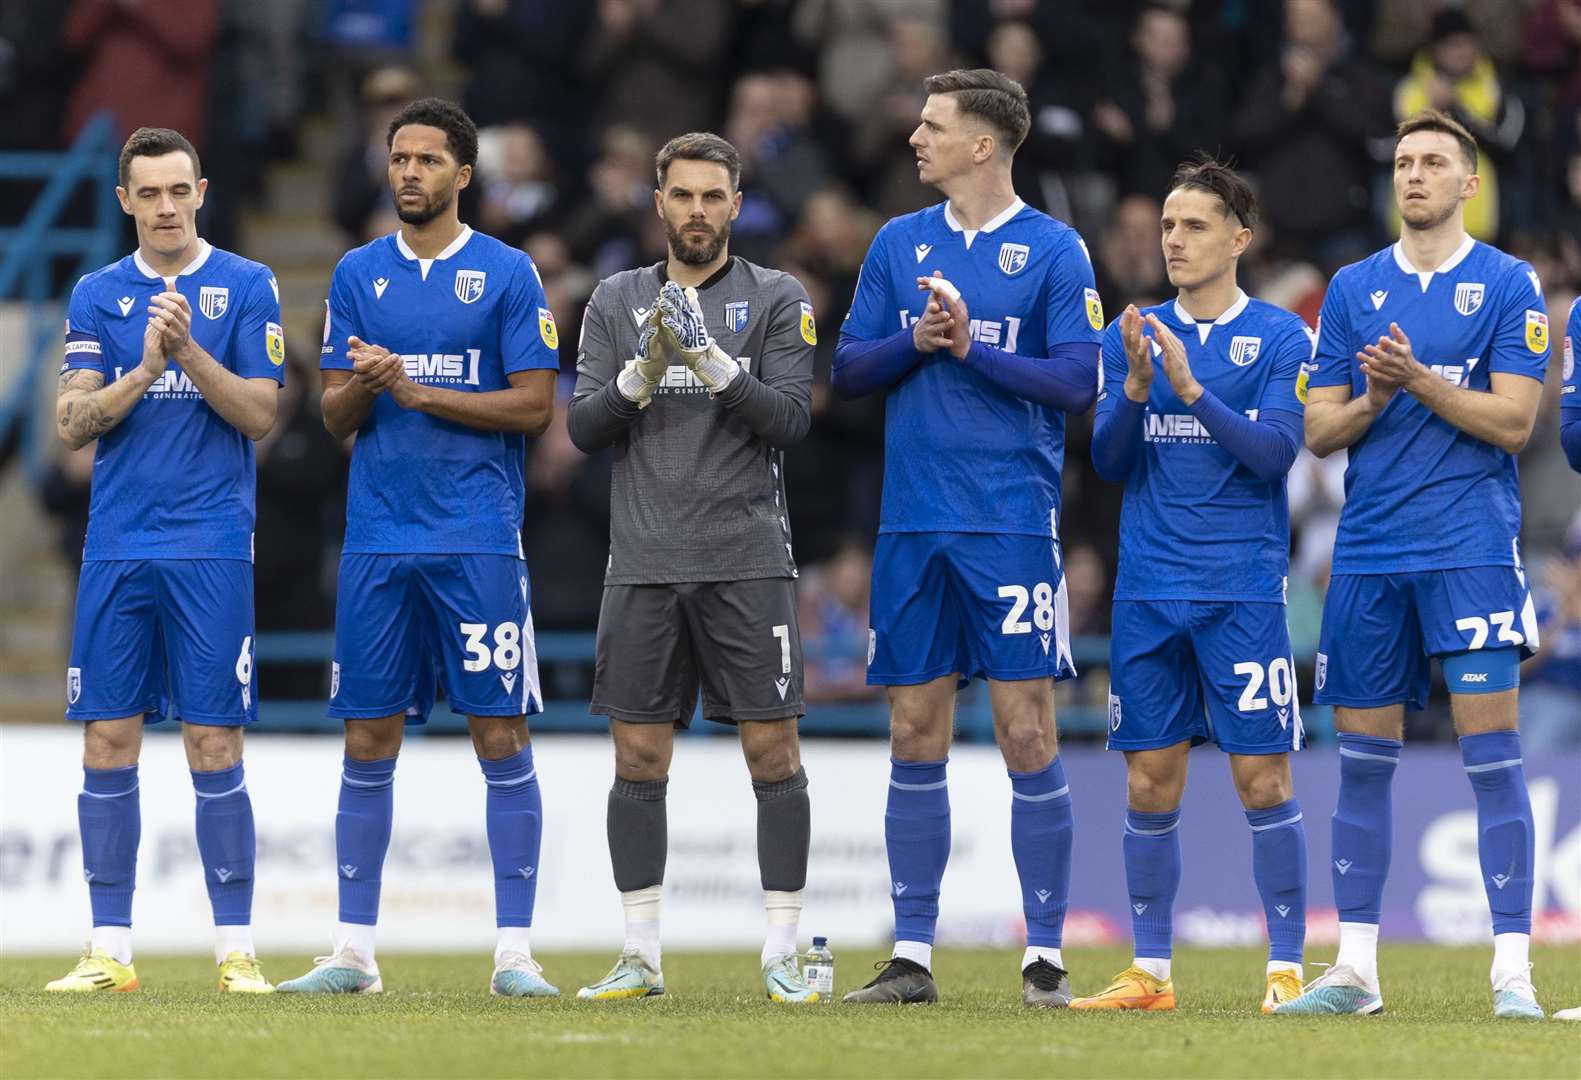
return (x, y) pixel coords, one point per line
(174, 479)
(1420, 494)
(960, 453)
(1196, 524)
(462, 321)
(1569, 397)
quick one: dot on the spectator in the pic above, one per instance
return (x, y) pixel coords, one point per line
(1157, 106)
(1304, 127)
(604, 231)
(831, 608)
(781, 164)
(146, 68)
(647, 56)
(565, 527)
(515, 181)
(34, 78)
(1455, 75)
(362, 183)
(1087, 589)
(917, 48)
(1130, 262)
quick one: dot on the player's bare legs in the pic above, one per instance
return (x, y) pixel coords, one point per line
(112, 744)
(922, 719)
(1040, 829)
(773, 753)
(1490, 747)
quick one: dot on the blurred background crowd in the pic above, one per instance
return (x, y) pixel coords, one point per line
(288, 103)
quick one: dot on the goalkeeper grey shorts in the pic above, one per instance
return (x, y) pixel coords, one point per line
(736, 641)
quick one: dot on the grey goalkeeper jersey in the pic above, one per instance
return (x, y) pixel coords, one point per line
(698, 491)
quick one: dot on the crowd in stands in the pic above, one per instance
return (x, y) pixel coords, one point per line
(820, 96)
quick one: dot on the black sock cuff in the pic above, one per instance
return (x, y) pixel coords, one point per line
(766, 790)
(642, 790)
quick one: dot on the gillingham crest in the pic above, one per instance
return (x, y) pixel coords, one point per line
(736, 316)
(1243, 350)
(1013, 258)
(469, 285)
(73, 685)
(213, 300)
(1468, 296)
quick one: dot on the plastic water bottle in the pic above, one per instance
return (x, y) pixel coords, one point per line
(818, 968)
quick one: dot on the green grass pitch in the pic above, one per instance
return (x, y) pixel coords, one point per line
(437, 1019)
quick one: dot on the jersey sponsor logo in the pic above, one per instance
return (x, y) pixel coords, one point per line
(379, 285)
(1013, 258)
(1378, 296)
(1094, 308)
(443, 367)
(922, 251)
(736, 316)
(1455, 374)
(1536, 331)
(214, 300)
(274, 343)
(809, 326)
(1243, 350)
(547, 329)
(469, 285)
(125, 303)
(73, 685)
(1468, 296)
(172, 384)
(988, 331)
(1179, 428)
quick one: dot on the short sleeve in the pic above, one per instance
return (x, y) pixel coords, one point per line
(868, 318)
(1333, 359)
(83, 350)
(1112, 367)
(1569, 397)
(1287, 385)
(260, 339)
(1074, 311)
(339, 322)
(529, 338)
(1520, 341)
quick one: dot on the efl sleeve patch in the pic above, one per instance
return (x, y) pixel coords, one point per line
(546, 328)
(1301, 384)
(274, 343)
(1536, 331)
(809, 326)
(1094, 309)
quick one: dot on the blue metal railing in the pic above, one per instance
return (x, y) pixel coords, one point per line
(29, 253)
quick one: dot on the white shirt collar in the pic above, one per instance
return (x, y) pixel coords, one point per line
(450, 249)
(1426, 276)
(204, 248)
(1015, 207)
(1230, 314)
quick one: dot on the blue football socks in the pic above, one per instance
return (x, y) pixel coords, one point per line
(1506, 840)
(1152, 878)
(362, 836)
(110, 820)
(514, 813)
(917, 835)
(1279, 866)
(227, 842)
(1040, 839)
(1363, 825)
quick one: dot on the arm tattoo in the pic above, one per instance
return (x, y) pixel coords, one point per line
(82, 419)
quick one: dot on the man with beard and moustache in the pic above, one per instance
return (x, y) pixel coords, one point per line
(1428, 368)
(698, 370)
(440, 355)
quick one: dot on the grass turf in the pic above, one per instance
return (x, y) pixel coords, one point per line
(437, 1019)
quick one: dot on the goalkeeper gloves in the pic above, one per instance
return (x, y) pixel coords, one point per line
(682, 318)
(643, 371)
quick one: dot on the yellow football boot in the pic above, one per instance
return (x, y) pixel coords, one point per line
(96, 971)
(240, 974)
(1133, 988)
(1283, 986)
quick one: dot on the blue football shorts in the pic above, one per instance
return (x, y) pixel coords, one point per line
(1203, 670)
(150, 634)
(979, 605)
(407, 624)
(1381, 631)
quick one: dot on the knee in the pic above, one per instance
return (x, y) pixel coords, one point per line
(641, 760)
(111, 746)
(498, 741)
(774, 759)
(373, 740)
(1152, 791)
(1263, 788)
(1027, 745)
(916, 736)
(210, 749)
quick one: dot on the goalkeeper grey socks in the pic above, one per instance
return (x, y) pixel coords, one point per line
(638, 833)
(784, 832)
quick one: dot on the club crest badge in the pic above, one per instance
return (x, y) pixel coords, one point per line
(469, 285)
(736, 316)
(1013, 258)
(1243, 350)
(1468, 296)
(213, 300)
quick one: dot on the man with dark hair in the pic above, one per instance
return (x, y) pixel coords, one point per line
(967, 575)
(440, 354)
(1428, 369)
(699, 371)
(175, 398)
(1200, 650)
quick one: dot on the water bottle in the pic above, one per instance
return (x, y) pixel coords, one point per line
(818, 968)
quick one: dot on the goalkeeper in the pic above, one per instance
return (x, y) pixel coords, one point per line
(698, 370)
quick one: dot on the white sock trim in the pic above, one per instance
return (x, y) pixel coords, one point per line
(359, 939)
(784, 917)
(1033, 953)
(1511, 954)
(1358, 949)
(1156, 966)
(114, 941)
(918, 952)
(512, 939)
(229, 939)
